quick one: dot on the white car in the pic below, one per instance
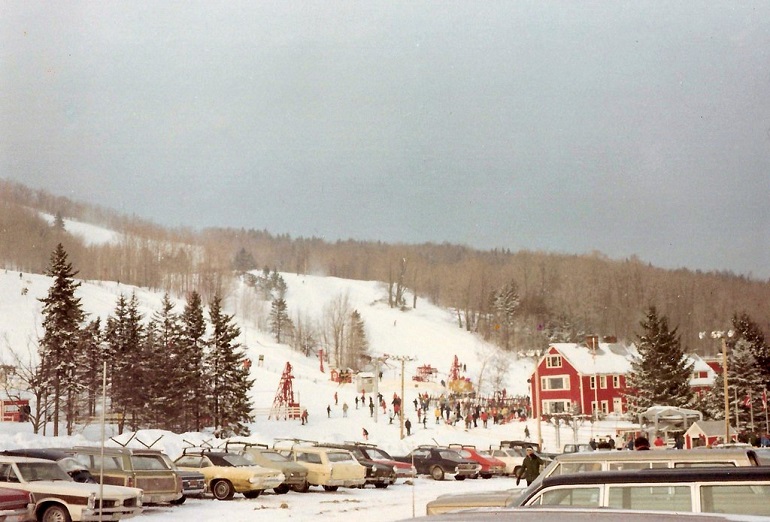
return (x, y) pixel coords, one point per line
(58, 498)
(511, 456)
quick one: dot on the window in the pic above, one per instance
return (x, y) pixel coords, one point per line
(570, 496)
(603, 382)
(653, 498)
(605, 407)
(735, 498)
(554, 382)
(592, 382)
(556, 406)
(553, 361)
(150, 462)
(616, 381)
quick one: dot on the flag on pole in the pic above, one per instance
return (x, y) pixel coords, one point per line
(747, 401)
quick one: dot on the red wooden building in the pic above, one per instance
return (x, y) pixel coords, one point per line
(589, 377)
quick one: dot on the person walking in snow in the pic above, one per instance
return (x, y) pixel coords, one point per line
(530, 467)
(329, 411)
(335, 399)
(371, 407)
(356, 401)
(303, 417)
(526, 432)
(408, 426)
(344, 409)
(366, 434)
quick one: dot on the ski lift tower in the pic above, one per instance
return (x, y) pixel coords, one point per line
(284, 404)
(454, 372)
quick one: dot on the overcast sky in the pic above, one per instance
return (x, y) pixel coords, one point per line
(629, 128)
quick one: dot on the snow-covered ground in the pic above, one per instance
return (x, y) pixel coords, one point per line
(428, 334)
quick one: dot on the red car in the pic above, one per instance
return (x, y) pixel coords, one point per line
(490, 466)
(16, 505)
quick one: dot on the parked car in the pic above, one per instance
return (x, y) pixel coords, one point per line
(193, 482)
(16, 505)
(729, 490)
(295, 474)
(59, 498)
(133, 467)
(569, 463)
(402, 469)
(575, 448)
(490, 466)
(380, 475)
(327, 467)
(229, 473)
(511, 457)
(562, 514)
(438, 461)
(63, 457)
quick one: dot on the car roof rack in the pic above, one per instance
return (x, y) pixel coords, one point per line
(356, 443)
(196, 450)
(245, 444)
(294, 442)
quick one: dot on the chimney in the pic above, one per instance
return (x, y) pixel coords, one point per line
(592, 342)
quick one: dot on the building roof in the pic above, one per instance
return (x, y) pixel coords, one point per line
(616, 359)
(709, 429)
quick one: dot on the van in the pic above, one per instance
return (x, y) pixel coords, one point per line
(618, 460)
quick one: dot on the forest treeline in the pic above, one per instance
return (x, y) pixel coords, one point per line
(517, 299)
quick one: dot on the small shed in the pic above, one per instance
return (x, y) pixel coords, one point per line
(365, 382)
(706, 433)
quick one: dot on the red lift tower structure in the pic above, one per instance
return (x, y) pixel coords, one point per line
(284, 405)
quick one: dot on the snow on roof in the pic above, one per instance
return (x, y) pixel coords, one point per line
(616, 359)
(708, 428)
(610, 358)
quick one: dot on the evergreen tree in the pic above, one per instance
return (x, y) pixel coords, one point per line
(244, 261)
(228, 371)
(62, 318)
(504, 303)
(747, 329)
(661, 375)
(193, 385)
(124, 337)
(357, 343)
(280, 322)
(91, 365)
(164, 347)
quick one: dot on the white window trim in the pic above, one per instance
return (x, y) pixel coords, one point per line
(603, 382)
(554, 358)
(564, 377)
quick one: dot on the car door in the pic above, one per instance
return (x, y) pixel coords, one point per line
(422, 461)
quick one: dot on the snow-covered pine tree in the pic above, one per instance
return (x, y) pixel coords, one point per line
(280, 322)
(124, 338)
(744, 379)
(504, 303)
(661, 375)
(228, 372)
(193, 386)
(357, 343)
(62, 318)
(164, 349)
(750, 331)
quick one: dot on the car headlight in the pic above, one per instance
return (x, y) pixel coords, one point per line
(395, 469)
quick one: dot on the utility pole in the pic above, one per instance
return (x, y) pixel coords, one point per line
(403, 359)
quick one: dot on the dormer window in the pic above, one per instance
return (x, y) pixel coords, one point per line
(553, 361)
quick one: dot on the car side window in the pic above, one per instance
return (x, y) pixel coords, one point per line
(189, 462)
(570, 496)
(420, 454)
(739, 499)
(651, 498)
(7, 474)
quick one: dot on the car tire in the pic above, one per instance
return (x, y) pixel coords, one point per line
(303, 488)
(381, 485)
(252, 494)
(459, 477)
(486, 476)
(222, 490)
(437, 473)
(56, 513)
(331, 488)
(282, 489)
(179, 501)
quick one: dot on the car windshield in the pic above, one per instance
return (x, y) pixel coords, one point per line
(465, 454)
(377, 453)
(274, 456)
(34, 471)
(450, 455)
(339, 456)
(237, 460)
